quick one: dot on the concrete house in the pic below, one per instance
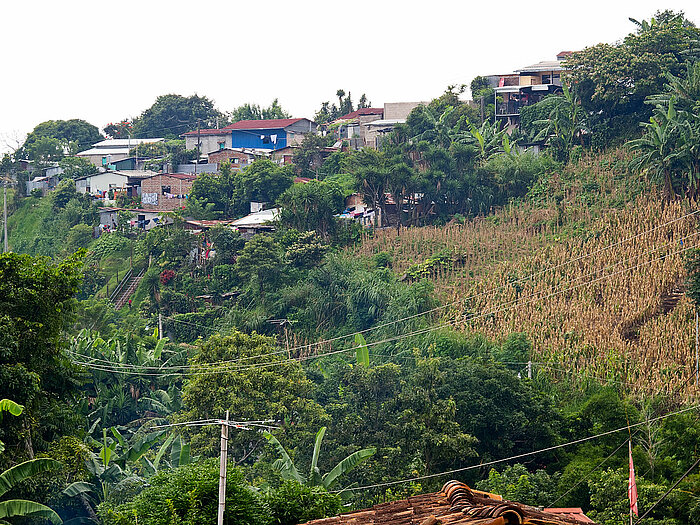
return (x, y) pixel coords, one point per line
(105, 153)
(99, 184)
(270, 134)
(239, 158)
(353, 126)
(210, 140)
(534, 82)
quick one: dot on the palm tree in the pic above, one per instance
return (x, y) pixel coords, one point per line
(285, 466)
(13, 476)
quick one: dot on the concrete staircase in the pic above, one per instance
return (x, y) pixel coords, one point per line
(126, 288)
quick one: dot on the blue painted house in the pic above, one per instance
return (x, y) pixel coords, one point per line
(270, 134)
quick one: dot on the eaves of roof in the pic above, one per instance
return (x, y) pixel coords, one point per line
(455, 504)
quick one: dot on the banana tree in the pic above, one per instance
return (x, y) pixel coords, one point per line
(656, 149)
(20, 507)
(7, 405)
(9, 479)
(285, 465)
(565, 123)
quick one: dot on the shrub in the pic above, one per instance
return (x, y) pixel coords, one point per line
(294, 503)
(189, 496)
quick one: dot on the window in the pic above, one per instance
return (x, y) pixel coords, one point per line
(236, 160)
(546, 79)
(266, 139)
(165, 189)
(222, 145)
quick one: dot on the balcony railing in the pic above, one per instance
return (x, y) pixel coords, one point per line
(508, 108)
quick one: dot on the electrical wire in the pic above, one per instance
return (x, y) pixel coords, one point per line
(517, 300)
(517, 456)
(218, 368)
(473, 296)
(697, 462)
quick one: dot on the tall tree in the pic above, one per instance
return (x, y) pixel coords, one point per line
(53, 139)
(255, 112)
(36, 296)
(614, 80)
(172, 115)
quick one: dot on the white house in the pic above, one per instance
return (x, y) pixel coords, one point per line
(109, 151)
(99, 184)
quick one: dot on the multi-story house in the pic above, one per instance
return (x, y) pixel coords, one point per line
(531, 85)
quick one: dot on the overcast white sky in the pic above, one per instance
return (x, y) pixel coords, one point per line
(104, 61)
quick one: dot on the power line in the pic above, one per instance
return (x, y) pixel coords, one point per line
(587, 475)
(518, 456)
(514, 301)
(217, 368)
(687, 472)
(442, 307)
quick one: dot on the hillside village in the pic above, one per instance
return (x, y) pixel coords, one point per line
(480, 308)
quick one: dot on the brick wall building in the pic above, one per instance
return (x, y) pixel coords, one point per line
(166, 192)
(238, 158)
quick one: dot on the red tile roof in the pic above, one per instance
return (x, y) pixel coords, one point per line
(571, 512)
(264, 124)
(362, 111)
(455, 504)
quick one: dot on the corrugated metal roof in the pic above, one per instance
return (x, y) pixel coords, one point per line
(257, 218)
(387, 122)
(265, 124)
(124, 143)
(545, 65)
(361, 111)
(104, 151)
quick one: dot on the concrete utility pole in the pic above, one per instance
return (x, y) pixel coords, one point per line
(267, 424)
(4, 216)
(196, 161)
(222, 471)
(529, 369)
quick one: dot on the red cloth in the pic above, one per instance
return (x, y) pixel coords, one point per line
(632, 487)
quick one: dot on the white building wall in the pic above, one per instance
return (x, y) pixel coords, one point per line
(101, 182)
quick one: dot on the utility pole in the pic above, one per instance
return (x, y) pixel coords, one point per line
(160, 325)
(4, 216)
(196, 161)
(266, 424)
(222, 471)
(529, 369)
(697, 344)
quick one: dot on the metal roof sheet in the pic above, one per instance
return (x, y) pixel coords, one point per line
(265, 124)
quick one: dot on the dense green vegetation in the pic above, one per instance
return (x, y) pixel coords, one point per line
(341, 339)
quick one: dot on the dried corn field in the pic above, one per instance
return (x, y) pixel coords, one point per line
(597, 303)
(606, 306)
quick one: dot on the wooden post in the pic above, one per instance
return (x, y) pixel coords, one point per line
(222, 471)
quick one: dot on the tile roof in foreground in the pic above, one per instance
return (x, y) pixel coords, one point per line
(456, 504)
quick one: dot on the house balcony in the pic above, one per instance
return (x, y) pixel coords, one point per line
(504, 109)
